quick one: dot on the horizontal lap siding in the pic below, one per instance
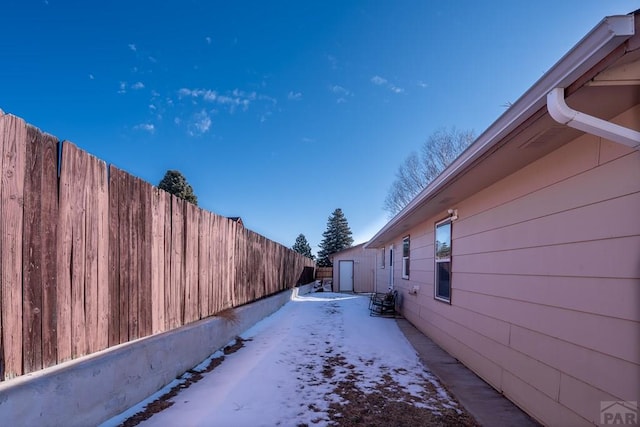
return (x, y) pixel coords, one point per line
(583, 294)
(578, 361)
(546, 282)
(613, 217)
(613, 258)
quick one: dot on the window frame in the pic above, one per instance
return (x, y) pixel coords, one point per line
(406, 258)
(437, 261)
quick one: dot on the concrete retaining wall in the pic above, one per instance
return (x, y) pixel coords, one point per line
(92, 389)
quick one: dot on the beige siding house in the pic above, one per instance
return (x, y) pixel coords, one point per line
(522, 259)
(357, 269)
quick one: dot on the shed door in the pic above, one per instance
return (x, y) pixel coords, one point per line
(346, 276)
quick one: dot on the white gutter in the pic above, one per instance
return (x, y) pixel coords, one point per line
(562, 113)
(610, 33)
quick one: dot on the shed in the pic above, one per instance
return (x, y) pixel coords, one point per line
(355, 269)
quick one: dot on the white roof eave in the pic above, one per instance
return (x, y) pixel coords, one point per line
(610, 33)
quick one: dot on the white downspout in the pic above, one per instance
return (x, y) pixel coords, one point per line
(562, 113)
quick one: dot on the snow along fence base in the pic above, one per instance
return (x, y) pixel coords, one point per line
(94, 388)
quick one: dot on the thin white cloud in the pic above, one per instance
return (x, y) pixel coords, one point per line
(153, 59)
(267, 98)
(422, 84)
(91, 77)
(265, 116)
(308, 140)
(133, 47)
(208, 40)
(252, 96)
(232, 100)
(200, 124)
(342, 93)
(333, 61)
(381, 81)
(147, 127)
(377, 80)
(122, 88)
(137, 86)
(207, 95)
(294, 96)
(340, 90)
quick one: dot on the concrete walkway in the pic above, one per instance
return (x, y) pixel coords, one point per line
(482, 401)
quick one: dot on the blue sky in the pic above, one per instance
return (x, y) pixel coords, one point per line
(277, 111)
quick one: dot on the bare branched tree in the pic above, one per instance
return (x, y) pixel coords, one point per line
(419, 169)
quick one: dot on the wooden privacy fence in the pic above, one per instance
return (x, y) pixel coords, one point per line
(91, 256)
(324, 272)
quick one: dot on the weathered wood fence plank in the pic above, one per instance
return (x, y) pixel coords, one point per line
(158, 242)
(132, 253)
(14, 137)
(175, 308)
(32, 254)
(78, 193)
(191, 299)
(216, 264)
(167, 254)
(114, 256)
(124, 239)
(39, 240)
(48, 236)
(101, 195)
(145, 255)
(96, 250)
(204, 245)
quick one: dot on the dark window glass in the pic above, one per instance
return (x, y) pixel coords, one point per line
(405, 257)
(444, 280)
(443, 261)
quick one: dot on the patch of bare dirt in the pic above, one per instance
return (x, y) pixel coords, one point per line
(389, 404)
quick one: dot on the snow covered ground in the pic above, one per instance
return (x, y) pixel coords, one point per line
(301, 366)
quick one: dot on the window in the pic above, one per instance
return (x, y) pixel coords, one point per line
(443, 261)
(405, 258)
(382, 259)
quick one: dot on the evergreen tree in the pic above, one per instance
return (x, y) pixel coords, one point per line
(175, 183)
(336, 238)
(302, 246)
